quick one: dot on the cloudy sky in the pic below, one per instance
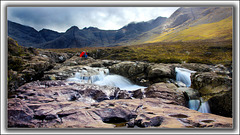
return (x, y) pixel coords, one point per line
(62, 18)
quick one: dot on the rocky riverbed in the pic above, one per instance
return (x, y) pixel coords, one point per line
(43, 95)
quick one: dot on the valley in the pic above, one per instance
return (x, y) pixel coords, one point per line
(170, 73)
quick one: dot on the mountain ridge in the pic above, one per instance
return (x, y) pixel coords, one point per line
(180, 26)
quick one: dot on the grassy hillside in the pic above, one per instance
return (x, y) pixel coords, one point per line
(217, 31)
(165, 52)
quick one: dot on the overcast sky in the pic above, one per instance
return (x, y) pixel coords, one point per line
(62, 18)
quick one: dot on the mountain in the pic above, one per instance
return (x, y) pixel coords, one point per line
(185, 25)
(25, 35)
(76, 38)
(49, 35)
(193, 24)
(28, 36)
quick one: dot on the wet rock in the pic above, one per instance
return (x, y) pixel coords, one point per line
(97, 95)
(217, 88)
(160, 72)
(97, 64)
(209, 83)
(67, 114)
(123, 94)
(222, 104)
(66, 72)
(117, 114)
(19, 114)
(191, 93)
(138, 94)
(135, 71)
(166, 91)
(108, 63)
(197, 67)
(221, 70)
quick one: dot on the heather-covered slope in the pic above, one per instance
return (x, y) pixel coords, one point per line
(194, 24)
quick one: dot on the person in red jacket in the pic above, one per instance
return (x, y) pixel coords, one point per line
(83, 54)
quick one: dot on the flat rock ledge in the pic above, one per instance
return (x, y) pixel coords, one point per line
(61, 104)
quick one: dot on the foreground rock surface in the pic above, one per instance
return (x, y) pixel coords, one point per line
(61, 104)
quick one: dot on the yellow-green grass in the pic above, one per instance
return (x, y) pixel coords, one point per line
(221, 30)
(167, 52)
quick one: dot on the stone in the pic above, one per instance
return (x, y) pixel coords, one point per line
(192, 93)
(166, 91)
(222, 104)
(160, 73)
(135, 71)
(61, 113)
(217, 89)
(138, 93)
(209, 83)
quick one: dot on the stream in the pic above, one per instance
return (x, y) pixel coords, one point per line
(101, 76)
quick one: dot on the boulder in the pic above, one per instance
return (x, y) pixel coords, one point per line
(128, 68)
(210, 83)
(197, 67)
(217, 89)
(135, 71)
(222, 104)
(160, 72)
(166, 91)
(123, 94)
(191, 93)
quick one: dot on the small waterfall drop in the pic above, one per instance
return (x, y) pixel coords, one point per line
(184, 75)
(102, 77)
(118, 81)
(199, 105)
(204, 108)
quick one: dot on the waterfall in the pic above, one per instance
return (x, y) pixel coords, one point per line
(184, 75)
(118, 81)
(204, 108)
(102, 77)
(199, 105)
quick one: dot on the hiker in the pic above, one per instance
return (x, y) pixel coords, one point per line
(83, 54)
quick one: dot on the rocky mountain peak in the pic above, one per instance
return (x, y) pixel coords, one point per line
(73, 28)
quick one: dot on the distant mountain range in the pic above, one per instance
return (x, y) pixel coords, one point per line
(185, 24)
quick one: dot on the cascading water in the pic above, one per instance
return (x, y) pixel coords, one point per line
(199, 105)
(102, 77)
(184, 75)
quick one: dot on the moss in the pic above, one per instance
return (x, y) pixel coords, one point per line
(199, 60)
(15, 63)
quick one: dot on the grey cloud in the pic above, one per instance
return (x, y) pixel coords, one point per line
(62, 18)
